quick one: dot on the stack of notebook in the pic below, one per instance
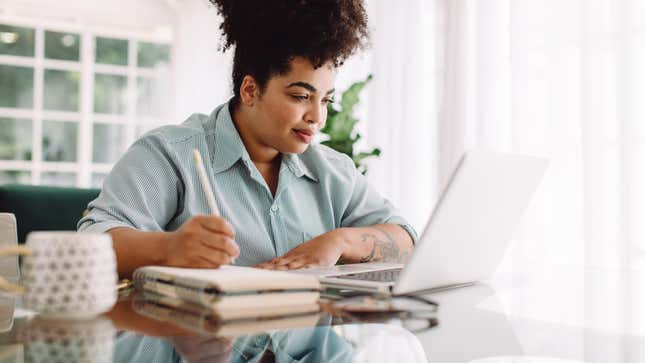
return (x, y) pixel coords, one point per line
(231, 292)
(199, 319)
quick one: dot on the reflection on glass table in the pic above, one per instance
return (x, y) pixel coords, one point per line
(316, 344)
(203, 322)
(156, 332)
(415, 313)
(520, 320)
(48, 340)
(149, 331)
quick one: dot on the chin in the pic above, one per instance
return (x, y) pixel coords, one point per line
(295, 149)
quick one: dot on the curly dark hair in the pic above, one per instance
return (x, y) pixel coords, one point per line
(268, 34)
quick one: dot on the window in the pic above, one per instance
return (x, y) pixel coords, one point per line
(72, 99)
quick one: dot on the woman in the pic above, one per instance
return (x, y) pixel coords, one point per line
(285, 203)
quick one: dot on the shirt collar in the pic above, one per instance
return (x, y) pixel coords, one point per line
(229, 148)
(298, 167)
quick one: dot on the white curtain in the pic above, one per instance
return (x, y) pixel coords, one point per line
(559, 78)
(401, 105)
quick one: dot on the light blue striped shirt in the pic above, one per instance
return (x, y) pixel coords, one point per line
(155, 187)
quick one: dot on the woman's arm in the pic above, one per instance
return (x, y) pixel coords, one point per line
(381, 242)
(201, 242)
(134, 249)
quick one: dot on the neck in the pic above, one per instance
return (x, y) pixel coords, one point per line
(259, 152)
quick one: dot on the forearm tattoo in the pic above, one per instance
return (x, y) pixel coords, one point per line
(383, 248)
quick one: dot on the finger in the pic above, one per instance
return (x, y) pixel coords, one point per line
(280, 262)
(299, 263)
(212, 259)
(221, 243)
(200, 262)
(285, 259)
(266, 265)
(216, 224)
(269, 267)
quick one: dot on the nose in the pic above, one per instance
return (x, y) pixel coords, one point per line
(317, 114)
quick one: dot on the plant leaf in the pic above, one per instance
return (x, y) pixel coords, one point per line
(350, 96)
(358, 158)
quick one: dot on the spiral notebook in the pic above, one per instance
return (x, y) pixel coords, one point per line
(230, 290)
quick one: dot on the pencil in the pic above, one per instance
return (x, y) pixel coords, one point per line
(203, 180)
(206, 187)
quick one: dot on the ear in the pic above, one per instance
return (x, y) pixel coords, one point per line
(249, 91)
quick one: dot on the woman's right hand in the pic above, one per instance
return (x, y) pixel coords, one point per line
(202, 242)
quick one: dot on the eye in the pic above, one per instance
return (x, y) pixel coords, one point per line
(328, 100)
(300, 97)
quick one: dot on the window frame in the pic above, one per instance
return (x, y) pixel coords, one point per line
(85, 117)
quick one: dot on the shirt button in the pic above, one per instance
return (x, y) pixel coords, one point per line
(274, 208)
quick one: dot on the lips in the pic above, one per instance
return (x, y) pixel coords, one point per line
(305, 132)
(305, 135)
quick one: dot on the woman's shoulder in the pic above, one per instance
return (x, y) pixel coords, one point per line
(192, 127)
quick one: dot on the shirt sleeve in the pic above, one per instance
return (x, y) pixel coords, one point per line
(143, 190)
(367, 207)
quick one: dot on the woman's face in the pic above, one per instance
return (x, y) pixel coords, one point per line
(293, 107)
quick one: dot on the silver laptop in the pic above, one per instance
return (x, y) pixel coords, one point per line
(466, 236)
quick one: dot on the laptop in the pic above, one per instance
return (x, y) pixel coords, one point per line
(467, 234)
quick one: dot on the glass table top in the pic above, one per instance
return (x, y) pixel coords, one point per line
(543, 318)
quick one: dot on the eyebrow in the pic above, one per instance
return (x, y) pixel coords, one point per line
(308, 87)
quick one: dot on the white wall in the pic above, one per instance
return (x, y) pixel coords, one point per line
(202, 77)
(139, 15)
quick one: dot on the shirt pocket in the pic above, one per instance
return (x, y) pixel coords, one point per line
(306, 236)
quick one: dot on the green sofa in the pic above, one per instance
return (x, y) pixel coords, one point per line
(44, 208)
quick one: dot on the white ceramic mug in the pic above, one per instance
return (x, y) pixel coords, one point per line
(70, 274)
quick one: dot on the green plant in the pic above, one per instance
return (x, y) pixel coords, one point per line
(340, 126)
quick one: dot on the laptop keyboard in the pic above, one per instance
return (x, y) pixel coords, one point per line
(378, 276)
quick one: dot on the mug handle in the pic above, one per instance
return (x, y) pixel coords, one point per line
(11, 251)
